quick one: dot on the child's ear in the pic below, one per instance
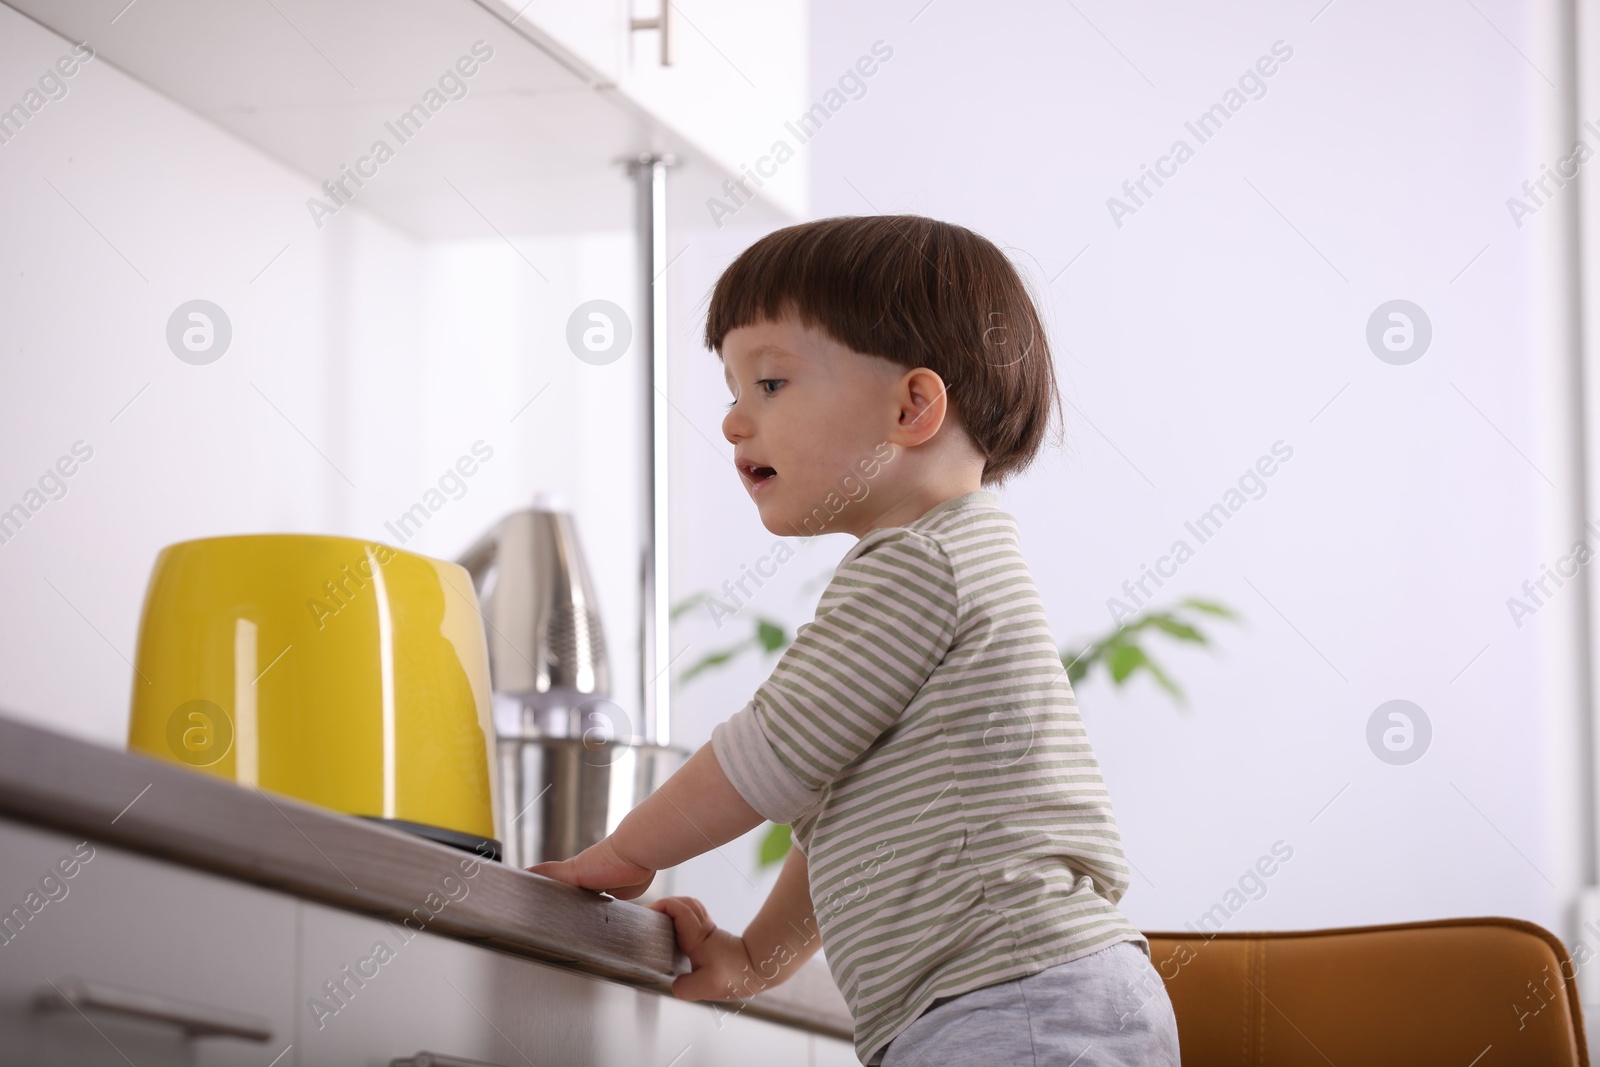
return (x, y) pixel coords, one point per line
(920, 407)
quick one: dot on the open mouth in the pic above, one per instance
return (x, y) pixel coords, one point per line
(757, 474)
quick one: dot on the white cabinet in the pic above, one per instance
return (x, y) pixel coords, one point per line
(303, 984)
(561, 93)
(373, 993)
(165, 939)
(422, 992)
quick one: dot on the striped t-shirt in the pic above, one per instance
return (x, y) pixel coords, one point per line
(921, 738)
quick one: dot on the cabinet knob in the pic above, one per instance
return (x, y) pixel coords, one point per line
(434, 1059)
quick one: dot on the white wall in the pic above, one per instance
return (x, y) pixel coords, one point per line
(1224, 316)
(384, 359)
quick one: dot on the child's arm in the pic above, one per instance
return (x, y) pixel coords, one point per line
(778, 941)
(844, 680)
(693, 811)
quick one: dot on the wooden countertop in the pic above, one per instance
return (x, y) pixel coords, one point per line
(161, 809)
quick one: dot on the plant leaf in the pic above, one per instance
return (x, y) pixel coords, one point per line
(775, 845)
(1139, 622)
(712, 659)
(1210, 607)
(771, 636)
(1164, 680)
(1181, 630)
(1119, 649)
(1131, 658)
(1126, 659)
(685, 605)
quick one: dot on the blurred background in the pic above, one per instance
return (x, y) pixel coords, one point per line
(1371, 261)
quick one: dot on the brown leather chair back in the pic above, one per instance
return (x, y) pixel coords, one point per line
(1451, 993)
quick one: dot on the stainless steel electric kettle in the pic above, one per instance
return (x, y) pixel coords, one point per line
(542, 618)
(570, 762)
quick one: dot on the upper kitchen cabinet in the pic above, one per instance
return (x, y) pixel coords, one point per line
(728, 76)
(455, 118)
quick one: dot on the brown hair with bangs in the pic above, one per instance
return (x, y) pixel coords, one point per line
(918, 292)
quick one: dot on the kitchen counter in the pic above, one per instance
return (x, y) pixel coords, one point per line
(165, 811)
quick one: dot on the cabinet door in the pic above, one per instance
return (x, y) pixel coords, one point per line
(737, 83)
(372, 992)
(137, 933)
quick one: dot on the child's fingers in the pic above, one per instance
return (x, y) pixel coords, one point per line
(560, 870)
(600, 868)
(684, 910)
(701, 984)
(690, 920)
(628, 892)
(671, 907)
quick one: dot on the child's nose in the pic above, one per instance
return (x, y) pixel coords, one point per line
(735, 425)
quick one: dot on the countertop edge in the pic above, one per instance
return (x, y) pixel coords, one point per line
(158, 809)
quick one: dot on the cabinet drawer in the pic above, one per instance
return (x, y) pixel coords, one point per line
(143, 936)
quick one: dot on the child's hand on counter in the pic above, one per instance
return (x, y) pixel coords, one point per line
(693, 811)
(601, 868)
(722, 965)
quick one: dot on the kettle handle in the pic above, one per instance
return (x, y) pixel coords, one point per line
(481, 556)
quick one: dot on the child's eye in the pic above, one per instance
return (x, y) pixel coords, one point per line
(763, 382)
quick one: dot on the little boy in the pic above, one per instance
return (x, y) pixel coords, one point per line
(954, 846)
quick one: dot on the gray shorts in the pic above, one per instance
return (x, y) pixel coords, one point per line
(1107, 1008)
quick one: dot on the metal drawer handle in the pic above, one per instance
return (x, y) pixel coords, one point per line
(198, 1020)
(433, 1059)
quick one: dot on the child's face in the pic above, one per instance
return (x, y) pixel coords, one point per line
(809, 423)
